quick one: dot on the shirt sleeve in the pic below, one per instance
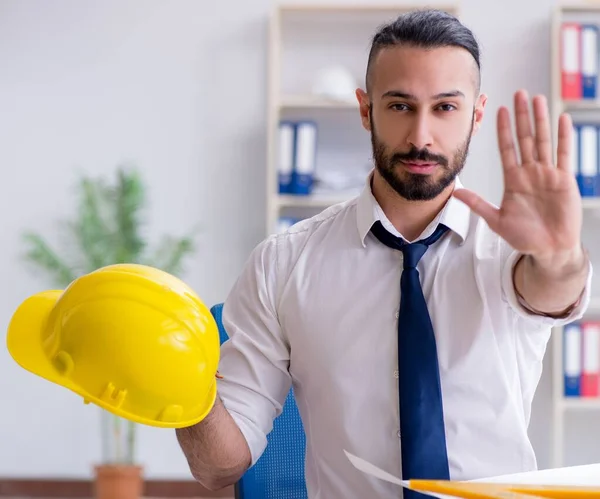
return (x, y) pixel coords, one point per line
(254, 361)
(510, 296)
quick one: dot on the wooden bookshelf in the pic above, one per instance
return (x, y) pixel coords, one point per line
(580, 110)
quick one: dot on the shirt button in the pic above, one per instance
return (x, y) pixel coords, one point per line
(397, 314)
(396, 374)
(398, 433)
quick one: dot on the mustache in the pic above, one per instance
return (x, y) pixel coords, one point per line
(418, 155)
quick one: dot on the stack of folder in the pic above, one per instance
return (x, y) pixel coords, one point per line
(581, 359)
(579, 56)
(297, 156)
(579, 60)
(586, 158)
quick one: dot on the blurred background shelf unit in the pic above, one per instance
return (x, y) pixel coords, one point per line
(575, 54)
(318, 152)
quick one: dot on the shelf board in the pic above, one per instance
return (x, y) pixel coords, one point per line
(580, 404)
(591, 203)
(315, 102)
(311, 201)
(581, 7)
(594, 307)
(581, 105)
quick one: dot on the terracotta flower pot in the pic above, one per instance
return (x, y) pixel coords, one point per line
(115, 481)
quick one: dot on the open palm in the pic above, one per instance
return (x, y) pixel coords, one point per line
(540, 214)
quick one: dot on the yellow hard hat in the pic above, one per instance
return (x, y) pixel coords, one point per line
(129, 338)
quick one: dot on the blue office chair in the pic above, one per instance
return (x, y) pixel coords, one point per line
(279, 473)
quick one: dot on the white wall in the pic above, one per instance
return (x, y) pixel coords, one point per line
(177, 87)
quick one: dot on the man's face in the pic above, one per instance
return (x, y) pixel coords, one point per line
(424, 109)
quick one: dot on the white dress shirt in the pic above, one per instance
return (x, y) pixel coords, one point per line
(316, 306)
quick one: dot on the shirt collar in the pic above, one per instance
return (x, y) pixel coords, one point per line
(455, 215)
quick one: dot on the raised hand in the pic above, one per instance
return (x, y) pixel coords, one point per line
(541, 213)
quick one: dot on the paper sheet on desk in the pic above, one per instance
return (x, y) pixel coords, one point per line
(585, 475)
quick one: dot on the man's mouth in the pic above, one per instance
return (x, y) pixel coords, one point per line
(422, 167)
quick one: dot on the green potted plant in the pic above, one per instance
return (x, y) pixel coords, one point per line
(107, 229)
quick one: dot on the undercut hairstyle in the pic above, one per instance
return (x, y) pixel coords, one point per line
(426, 28)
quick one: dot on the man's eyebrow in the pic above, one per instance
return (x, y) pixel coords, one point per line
(447, 95)
(403, 95)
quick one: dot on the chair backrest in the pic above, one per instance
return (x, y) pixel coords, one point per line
(279, 472)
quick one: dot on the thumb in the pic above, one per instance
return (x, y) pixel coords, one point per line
(479, 206)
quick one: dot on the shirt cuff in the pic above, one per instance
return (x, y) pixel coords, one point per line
(513, 299)
(240, 409)
(255, 438)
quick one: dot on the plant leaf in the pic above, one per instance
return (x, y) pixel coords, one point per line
(91, 229)
(41, 254)
(128, 201)
(170, 254)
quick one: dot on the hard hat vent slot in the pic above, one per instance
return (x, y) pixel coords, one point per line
(113, 396)
(64, 363)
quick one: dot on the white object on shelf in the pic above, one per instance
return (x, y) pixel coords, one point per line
(335, 82)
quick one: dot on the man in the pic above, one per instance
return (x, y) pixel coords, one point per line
(421, 359)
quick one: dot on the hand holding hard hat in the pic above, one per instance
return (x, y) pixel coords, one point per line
(129, 338)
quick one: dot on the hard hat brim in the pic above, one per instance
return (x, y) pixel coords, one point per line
(24, 335)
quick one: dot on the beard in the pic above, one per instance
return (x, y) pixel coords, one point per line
(413, 186)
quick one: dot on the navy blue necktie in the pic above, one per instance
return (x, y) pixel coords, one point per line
(423, 439)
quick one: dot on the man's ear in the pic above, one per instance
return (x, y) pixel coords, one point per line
(364, 104)
(478, 113)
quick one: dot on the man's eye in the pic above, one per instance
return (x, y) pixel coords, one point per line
(399, 107)
(447, 107)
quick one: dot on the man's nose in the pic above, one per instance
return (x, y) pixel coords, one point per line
(420, 134)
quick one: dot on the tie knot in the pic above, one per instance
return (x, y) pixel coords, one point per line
(413, 253)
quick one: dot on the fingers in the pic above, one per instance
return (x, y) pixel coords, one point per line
(508, 153)
(535, 146)
(543, 138)
(565, 137)
(524, 129)
(480, 206)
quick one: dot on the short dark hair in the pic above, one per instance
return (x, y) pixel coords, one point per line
(424, 28)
